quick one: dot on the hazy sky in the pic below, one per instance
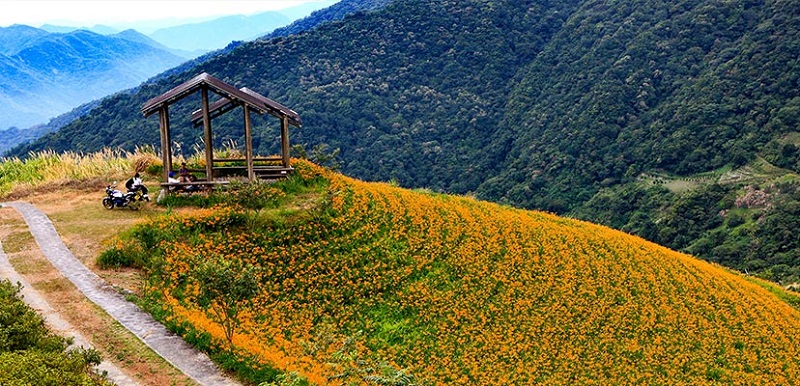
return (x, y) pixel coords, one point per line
(87, 13)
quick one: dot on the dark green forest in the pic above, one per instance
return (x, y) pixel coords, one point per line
(558, 105)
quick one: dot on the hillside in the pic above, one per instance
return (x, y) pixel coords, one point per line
(441, 82)
(451, 289)
(570, 109)
(327, 276)
(649, 86)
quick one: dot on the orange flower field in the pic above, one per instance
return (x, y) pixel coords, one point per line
(463, 292)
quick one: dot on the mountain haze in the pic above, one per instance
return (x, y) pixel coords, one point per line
(567, 106)
(98, 29)
(21, 82)
(17, 36)
(136, 36)
(219, 32)
(208, 36)
(47, 74)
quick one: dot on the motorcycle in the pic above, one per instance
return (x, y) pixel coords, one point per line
(115, 198)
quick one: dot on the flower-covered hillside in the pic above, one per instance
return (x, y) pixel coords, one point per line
(453, 291)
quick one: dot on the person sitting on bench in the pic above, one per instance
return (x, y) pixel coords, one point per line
(183, 172)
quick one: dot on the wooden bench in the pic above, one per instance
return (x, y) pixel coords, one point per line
(255, 159)
(184, 186)
(262, 172)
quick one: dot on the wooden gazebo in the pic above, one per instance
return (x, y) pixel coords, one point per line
(231, 97)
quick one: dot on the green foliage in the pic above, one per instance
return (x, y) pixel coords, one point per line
(21, 328)
(193, 200)
(287, 379)
(120, 257)
(253, 196)
(32, 367)
(320, 155)
(31, 355)
(136, 247)
(224, 288)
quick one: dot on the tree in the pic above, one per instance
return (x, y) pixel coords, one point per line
(224, 288)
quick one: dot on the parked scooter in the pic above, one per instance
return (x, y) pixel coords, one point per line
(115, 198)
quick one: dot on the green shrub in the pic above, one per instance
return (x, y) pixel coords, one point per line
(116, 257)
(31, 355)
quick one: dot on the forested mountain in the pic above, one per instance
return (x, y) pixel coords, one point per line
(328, 14)
(560, 105)
(17, 36)
(46, 74)
(683, 87)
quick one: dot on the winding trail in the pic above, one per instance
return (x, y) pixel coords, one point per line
(172, 348)
(56, 322)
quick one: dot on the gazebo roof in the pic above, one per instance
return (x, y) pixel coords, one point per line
(192, 85)
(226, 104)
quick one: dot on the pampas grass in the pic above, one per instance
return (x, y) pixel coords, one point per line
(49, 167)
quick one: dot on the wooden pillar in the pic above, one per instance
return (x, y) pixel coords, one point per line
(168, 144)
(285, 140)
(248, 142)
(163, 122)
(208, 137)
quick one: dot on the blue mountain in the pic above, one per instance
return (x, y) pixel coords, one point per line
(45, 74)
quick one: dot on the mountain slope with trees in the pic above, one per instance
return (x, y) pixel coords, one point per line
(564, 105)
(389, 85)
(684, 88)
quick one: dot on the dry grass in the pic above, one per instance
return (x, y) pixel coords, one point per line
(83, 224)
(21, 177)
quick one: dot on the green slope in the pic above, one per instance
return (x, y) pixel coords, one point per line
(685, 87)
(454, 291)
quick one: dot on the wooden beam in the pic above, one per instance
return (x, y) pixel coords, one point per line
(208, 137)
(285, 140)
(248, 143)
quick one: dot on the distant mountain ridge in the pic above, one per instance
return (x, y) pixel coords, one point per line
(209, 35)
(40, 67)
(16, 37)
(193, 37)
(46, 74)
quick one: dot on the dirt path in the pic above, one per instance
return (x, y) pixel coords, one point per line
(172, 348)
(56, 322)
